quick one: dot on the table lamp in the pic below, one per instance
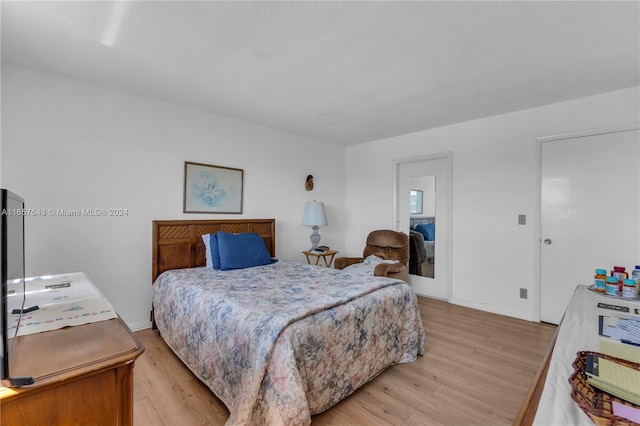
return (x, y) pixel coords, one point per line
(315, 217)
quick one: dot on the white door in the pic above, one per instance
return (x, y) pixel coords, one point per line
(438, 165)
(590, 213)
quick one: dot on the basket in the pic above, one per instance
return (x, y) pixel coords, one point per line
(597, 403)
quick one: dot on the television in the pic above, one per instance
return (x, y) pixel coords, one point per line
(12, 274)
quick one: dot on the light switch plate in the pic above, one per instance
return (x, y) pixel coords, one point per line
(522, 219)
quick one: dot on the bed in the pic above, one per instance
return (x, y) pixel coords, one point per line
(282, 341)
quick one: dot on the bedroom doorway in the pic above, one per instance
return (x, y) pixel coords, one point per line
(431, 175)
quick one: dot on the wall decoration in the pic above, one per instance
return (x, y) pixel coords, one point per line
(212, 189)
(308, 184)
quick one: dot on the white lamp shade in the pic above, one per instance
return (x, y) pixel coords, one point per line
(314, 214)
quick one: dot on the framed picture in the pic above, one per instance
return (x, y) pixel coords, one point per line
(212, 189)
(415, 201)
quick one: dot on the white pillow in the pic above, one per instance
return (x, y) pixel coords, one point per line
(368, 266)
(206, 238)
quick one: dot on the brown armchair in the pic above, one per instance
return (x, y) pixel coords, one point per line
(388, 245)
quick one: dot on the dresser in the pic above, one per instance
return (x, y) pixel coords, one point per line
(83, 374)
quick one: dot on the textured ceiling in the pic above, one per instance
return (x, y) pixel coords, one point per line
(343, 72)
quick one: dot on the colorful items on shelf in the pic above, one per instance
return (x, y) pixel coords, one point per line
(600, 280)
(618, 283)
(630, 289)
(620, 273)
(635, 274)
(612, 286)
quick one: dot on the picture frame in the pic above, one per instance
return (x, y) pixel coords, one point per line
(415, 201)
(212, 189)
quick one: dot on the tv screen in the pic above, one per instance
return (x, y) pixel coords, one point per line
(11, 272)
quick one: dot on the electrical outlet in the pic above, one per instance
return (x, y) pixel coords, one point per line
(523, 293)
(522, 219)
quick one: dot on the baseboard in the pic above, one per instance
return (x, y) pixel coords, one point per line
(422, 289)
(430, 296)
(137, 326)
(493, 310)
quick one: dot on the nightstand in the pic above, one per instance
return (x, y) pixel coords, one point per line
(324, 254)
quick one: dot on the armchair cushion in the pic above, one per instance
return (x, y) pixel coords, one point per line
(389, 269)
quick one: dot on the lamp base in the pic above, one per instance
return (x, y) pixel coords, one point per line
(315, 238)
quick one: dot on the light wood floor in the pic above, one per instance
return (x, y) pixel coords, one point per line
(476, 371)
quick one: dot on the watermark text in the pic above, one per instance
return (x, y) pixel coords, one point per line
(66, 212)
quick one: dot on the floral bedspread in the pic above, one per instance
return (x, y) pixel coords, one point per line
(278, 343)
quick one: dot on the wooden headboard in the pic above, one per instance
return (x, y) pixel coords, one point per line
(178, 243)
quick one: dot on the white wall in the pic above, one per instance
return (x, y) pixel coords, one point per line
(69, 145)
(496, 167)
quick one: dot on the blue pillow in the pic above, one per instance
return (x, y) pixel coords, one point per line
(242, 250)
(212, 254)
(428, 230)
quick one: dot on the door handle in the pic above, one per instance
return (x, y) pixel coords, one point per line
(547, 241)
